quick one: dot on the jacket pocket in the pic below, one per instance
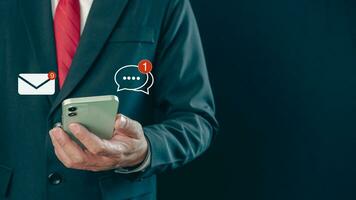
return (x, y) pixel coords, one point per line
(133, 34)
(5, 178)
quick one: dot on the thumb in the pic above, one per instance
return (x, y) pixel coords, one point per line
(128, 127)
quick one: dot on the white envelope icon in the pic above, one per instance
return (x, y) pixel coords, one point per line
(35, 84)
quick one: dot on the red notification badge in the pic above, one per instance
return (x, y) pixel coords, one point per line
(145, 66)
(52, 75)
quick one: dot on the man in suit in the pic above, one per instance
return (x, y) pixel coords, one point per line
(85, 42)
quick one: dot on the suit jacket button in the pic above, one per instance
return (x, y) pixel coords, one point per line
(55, 178)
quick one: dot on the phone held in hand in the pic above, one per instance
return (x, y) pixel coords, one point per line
(96, 113)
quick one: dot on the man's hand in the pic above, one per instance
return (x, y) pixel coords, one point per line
(128, 146)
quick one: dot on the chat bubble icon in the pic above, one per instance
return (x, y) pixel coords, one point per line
(147, 86)
(131, 79)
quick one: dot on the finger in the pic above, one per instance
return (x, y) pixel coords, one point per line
(120, 121)
(128, 127)
(93, 163)
(61, 155)
(92, 143)
(73, 152)
(100, 163)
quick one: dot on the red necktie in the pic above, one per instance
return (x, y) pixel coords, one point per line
(67, 35)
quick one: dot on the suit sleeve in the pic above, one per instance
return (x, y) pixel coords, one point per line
(182, 94)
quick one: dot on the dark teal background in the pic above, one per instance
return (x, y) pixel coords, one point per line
(284, 76)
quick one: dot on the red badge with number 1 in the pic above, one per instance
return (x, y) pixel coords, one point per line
(145, 66)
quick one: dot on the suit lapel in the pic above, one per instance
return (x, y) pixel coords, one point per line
(103, 16)
(37, 16)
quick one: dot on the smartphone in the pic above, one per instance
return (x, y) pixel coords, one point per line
(96, 113)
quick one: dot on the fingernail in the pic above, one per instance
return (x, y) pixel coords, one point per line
(56, 134)
(123, 121)
(53, 132)
(74, 128)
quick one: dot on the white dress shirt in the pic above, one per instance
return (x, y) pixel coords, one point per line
(85, 6)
